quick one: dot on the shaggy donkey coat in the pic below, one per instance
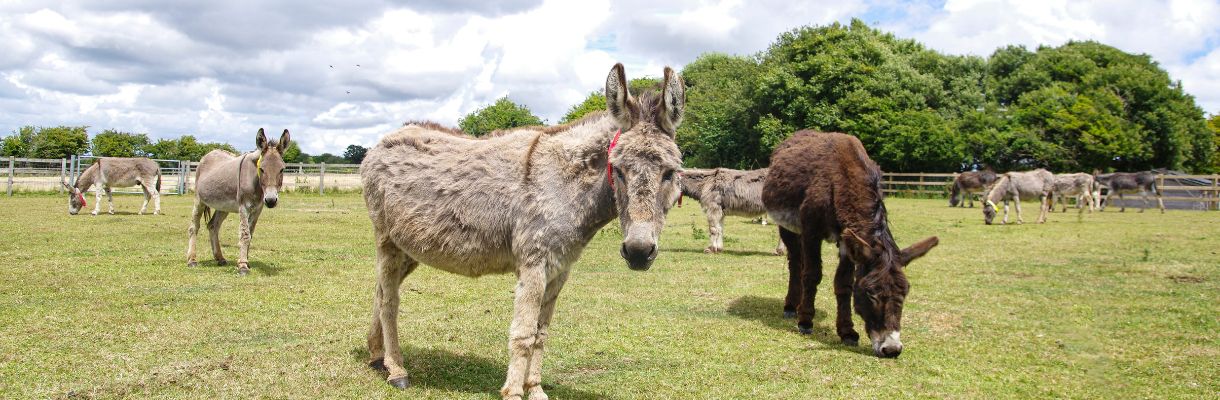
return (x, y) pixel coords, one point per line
(967, 184)
(227, 183)
(112, 172)
(823, 186)
(723, 191)
(1015, 186)
(525, 201)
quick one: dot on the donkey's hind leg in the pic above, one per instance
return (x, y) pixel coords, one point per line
(715, 227)
(793, 242)
(218, 217)
(147, 196)
(110, 200)
(384, 352)
(844, 279)
(193, 231)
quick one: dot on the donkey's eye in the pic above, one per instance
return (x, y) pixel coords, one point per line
(668, 176)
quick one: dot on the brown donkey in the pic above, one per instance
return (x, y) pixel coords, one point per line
(967, 184)
(823, 186)
(525, 201)
(112, 172)
(227, 183)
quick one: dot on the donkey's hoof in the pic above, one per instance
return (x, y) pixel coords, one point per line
(789, 314)
(805, 330)
(378, 364)
(538, 394)
(399, 382)
(192, 264)
(243, 269)
(851, 342)
(222, 262)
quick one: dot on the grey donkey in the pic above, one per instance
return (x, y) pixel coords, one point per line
(112, 172)
(1128, 183)
(724, 191)
(525, 201)
(227, 183)
(1015, 186)
(1082, 186)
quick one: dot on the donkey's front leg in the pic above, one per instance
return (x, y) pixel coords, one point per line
(844, 279)
(243, 240)
(715, 228)
(533, 381)
(523, 332)
(97, 199)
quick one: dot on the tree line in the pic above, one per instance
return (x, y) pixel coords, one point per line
(66, 141)
(1076, 107)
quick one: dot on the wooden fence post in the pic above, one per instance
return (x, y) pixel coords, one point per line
(1215, 193)
(63, 173)
(322, 179)
(11, 162)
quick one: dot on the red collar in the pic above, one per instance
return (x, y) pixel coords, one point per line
(82, 200)
(610, 168)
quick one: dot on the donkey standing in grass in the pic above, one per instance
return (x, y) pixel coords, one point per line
(1128, 183)
(227, 183)
(1014, 186)
(722, 191)
(967, 184)
(112, 172)
(525, 201)
(823, 186)
(1080, 185)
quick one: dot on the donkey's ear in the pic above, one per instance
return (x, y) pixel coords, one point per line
(917, 250)
(283, 143)
(260, 140)
(673, 96)
(618, 99)
(66, 185)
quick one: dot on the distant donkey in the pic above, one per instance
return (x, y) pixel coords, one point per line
(112, 172)
(227, 183)
(1080, 186)
(525, 201)
(823, 186)
(723, 191)
(967, 184)
(1128, 183)
(1015, 186)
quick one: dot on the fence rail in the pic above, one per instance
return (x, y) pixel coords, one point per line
(44, 174)
(1192, 191)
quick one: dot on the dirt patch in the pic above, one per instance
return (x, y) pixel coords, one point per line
(1186, 279)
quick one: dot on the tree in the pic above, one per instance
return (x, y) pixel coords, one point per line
(721, 127)
(329, 159)
(1213, 124)
(293, 153)
(59, 142)
(19, 143)
(355, 153)
(112, 143)
(596, 100)
(503, 114)
(184, 148)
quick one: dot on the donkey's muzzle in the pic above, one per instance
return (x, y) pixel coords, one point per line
(639, 254)
(271, 202)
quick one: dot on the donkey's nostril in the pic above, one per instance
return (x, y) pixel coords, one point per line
(891, 351)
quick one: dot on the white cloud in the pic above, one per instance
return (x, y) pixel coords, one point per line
(221, 69)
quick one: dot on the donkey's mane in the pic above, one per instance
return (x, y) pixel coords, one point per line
(880, 224)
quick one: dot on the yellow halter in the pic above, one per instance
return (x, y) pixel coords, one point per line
(992, 205)
(258, 173)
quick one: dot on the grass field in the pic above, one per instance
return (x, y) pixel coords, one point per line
(1104, 305)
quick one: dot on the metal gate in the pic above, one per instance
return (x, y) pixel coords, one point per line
(174, 174)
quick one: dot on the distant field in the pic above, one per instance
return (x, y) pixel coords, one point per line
(1107, 305)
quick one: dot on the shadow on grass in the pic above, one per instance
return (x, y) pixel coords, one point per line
(256, 267)
(734, 253)
(438, 369)
(769, 312)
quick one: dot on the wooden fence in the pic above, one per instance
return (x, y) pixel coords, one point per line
(1200, 191)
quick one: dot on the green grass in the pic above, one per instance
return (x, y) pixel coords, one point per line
(1104, 305)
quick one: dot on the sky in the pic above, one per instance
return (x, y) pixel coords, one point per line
(348, 72)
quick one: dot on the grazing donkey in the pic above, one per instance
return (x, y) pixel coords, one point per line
(227, 183)
(1082, 186)
(724, 191)
(823, 186)
(112, 172)
(1016, 185)
(525, 201)
(1127, 183)
(967, 184)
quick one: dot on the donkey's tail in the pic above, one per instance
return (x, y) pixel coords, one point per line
(158, 181)
(207, 215)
